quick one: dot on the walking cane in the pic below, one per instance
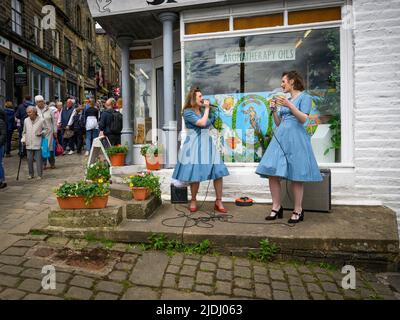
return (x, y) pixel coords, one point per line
(19, 166)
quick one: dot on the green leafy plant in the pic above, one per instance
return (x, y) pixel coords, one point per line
(87, 190)
(117, 149)
(98, 172)
(152, 150)
(328, 266)
(146, 180)
(161, 243)
(335, 126)
(266, 253)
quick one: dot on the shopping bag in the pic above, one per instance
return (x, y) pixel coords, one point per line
(45, 148)
(58, 149)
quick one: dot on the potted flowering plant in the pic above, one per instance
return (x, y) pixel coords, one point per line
(83, 195)
(151, 152)
(117, 155)
(143, 185)
(98, 172)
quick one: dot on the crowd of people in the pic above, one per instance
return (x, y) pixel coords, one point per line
(42, 126)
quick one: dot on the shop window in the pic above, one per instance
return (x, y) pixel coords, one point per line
(241, 74)
(207, 26)
(57, 90)
(258, 22)
(141, 80)
(16, 16)
(40, 84)
(315, 15)
(72, 90)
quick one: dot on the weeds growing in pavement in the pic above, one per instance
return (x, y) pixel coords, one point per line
(161, 243)
(38, 233)
(328, 266)
(266, 253)
(108, 244)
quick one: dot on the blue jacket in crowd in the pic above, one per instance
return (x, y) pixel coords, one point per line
(21, 111)
(10, 119)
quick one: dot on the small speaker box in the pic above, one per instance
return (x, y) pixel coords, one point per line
(179, 195)
(317, 195)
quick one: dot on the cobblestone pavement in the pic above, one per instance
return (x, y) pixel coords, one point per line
(133, 274)
(23, 199)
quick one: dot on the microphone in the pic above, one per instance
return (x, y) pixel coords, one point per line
(212, 105)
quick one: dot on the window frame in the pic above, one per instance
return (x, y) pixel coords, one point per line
(17, 17)
(79, 59)
(346, 59)
(69, 61)
(55, 39)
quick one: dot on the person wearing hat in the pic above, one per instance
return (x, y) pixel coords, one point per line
(45, 113)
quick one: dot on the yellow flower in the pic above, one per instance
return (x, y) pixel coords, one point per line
(101, 180)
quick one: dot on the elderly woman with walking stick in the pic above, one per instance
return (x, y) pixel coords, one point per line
(34, 130)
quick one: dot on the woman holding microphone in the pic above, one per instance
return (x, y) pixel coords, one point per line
(290, 155)
(198, 159)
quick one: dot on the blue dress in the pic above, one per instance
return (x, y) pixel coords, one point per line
(198, 158)
(299, 164)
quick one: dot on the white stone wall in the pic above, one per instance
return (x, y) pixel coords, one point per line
(377, 100)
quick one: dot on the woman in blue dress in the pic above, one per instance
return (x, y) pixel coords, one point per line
(198, 158)
(290, 155)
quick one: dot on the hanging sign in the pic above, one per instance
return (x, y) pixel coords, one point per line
(20, 73)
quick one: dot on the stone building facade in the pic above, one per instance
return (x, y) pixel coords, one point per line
(38, 58)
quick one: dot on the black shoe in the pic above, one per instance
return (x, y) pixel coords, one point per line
(300, 219)
(279, 215)
(3, 185)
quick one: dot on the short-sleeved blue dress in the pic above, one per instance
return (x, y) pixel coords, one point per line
(299, 164)
(198, 158)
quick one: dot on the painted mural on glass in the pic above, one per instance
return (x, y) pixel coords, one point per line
(244, 124)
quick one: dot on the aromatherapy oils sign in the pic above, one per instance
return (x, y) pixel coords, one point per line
(256, 54)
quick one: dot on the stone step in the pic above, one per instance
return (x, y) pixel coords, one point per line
(121, 191)
(360, 236)
(86, 218)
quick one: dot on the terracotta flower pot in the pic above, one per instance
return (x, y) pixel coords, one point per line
(140, 194)
(79, 203)
(118, 160)
(153, 163)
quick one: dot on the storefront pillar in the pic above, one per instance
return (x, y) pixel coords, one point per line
(127, 131)
(170, 140)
